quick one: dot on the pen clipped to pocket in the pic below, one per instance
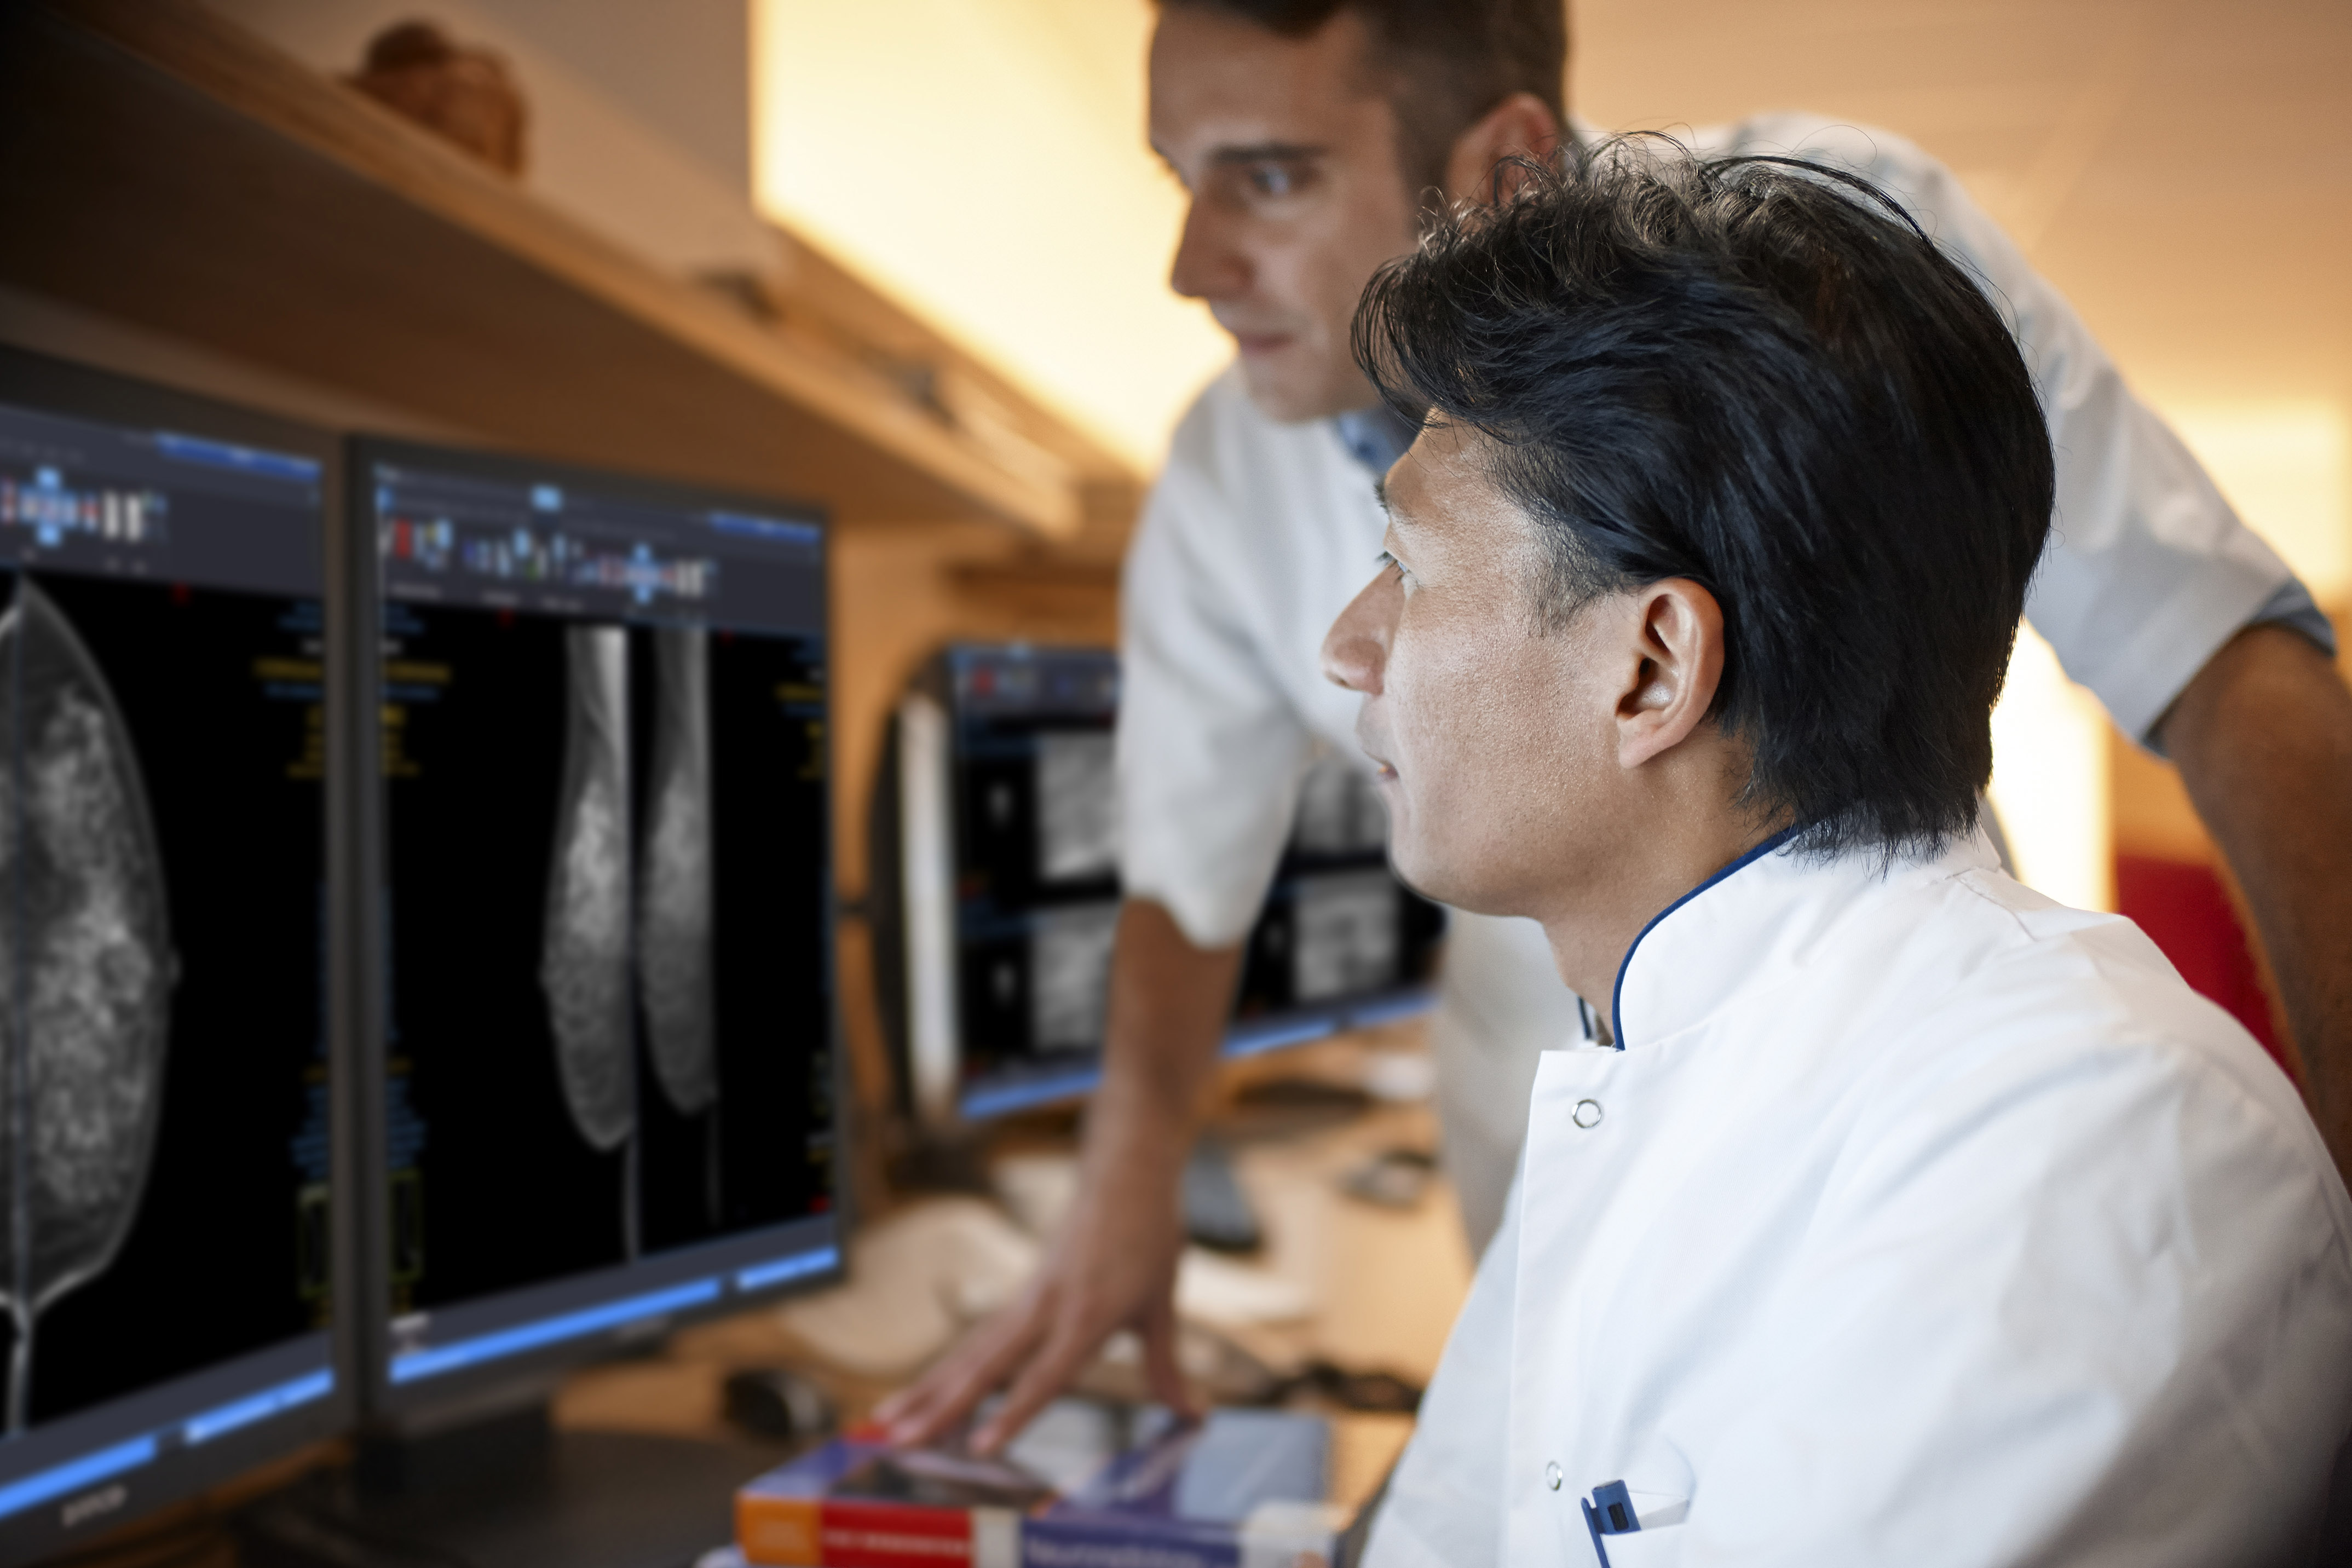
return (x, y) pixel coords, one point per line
(1635, 1530)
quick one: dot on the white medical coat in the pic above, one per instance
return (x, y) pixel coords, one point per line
(1258, 535)
(1921, 1221)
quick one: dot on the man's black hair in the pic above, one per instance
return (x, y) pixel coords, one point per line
(1761, 375)
(1441, 64)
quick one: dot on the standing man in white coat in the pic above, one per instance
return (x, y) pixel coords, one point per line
(1896, 1215)
(1312, 135)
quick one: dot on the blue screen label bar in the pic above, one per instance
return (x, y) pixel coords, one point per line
(57, 1480)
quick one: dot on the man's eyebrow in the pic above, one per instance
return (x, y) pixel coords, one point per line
(1268, 152)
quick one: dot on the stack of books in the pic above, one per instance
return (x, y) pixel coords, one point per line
(1086, 1486)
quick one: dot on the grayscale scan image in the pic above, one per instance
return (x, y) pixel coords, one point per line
(86, 973)
(1069, 975)
(1345, 934)
(585, 953)
(673, 932)
(1077, 805)
(1339, 809)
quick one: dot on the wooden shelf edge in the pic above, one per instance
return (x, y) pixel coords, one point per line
(214, 57)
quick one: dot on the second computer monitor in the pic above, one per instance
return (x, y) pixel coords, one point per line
(608, 1023)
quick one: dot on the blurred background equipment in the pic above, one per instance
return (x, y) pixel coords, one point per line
(994, 891)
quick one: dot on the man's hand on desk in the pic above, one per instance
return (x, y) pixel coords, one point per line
(1114, 1264)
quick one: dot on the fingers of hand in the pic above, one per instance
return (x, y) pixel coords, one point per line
(967, 1374)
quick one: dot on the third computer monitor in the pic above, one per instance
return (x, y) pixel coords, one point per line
(608, 1018)
(997, 893)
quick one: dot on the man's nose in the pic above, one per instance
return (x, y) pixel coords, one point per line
(1208, 264)
(1355, 648)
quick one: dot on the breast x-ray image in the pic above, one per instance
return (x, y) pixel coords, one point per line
(584, 962)
(163, 1097)
(596, 832)
(674, 931)
(86, 973)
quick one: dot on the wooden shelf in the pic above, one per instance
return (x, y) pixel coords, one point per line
(162, 166)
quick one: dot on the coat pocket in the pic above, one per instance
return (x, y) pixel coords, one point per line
(1658, 1547)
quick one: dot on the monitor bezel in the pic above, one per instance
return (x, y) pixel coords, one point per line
(529, 1374)
(74, 391)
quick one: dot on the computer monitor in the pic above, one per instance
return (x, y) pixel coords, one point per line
(994, 884)
(167, 1066)
(608, 1022)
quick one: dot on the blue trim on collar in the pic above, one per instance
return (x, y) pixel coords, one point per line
(1617, 993)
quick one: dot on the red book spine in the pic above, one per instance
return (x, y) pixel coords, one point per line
(864, 1533)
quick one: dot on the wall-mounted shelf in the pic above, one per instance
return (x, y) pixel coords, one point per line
(162, 166)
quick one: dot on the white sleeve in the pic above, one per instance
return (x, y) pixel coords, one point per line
(2149, 572)
(1210, 748)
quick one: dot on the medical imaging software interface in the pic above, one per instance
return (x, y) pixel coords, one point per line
(609, 1020)
(1036, 795)
(164, 1080)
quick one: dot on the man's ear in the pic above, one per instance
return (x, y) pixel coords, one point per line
(1676, 631)
(1521, 125)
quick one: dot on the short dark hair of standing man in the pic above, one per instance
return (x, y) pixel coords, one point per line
(1762, 376)
(1443, 63)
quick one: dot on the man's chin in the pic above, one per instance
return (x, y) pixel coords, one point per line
(1290, 392)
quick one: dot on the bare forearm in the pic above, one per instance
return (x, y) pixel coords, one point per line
(1114, 1263)
(2264, 740)
(1169, 1003)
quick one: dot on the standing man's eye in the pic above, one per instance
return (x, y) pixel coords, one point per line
(1272, 180)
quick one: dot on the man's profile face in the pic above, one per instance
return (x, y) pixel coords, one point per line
(1288, 149)
(1489, 727)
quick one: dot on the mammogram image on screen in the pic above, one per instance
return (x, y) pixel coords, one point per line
(608, 857)
(585, 956)
(85, 971)
(1069, 975)
(1345, 934)
(1077, 805)
(1339, 810)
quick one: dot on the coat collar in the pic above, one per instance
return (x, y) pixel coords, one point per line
(1754, 922)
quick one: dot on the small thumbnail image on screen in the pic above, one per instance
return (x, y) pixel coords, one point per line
(164, 1155)
(610, 1019)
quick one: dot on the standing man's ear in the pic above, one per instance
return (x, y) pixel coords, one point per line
(1671, 659)
(1521, 126)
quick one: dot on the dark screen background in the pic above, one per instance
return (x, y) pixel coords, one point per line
(500, 1190)
(226, 1257)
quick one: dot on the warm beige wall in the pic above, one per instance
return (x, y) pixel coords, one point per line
(987, 164)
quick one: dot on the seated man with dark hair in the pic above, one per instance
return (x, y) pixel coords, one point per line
(1890, 1213)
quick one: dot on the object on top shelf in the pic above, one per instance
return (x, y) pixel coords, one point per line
(466, 95)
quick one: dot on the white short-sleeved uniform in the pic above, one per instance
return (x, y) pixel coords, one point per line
(1921, 1220)
(1258, 535)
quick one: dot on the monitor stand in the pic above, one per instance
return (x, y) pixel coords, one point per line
(510, 1491)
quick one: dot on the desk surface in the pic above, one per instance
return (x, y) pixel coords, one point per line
(1381, 1286)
